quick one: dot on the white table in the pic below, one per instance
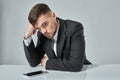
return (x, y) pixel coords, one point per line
(93, 72)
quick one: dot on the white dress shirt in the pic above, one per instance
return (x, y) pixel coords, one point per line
(55, 40)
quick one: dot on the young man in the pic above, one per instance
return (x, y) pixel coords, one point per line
(60, 44)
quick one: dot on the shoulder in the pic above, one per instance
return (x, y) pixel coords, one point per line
(73, 26)
(72, 22)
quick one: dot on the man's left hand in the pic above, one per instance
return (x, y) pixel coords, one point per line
(44, 60)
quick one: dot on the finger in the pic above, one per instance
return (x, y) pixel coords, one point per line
(34, 31)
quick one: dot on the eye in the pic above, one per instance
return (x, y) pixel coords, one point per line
(44, 25)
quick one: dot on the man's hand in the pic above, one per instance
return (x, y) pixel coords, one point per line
(44, 60)
(29, 31)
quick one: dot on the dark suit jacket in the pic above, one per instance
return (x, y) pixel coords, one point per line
(70, 48)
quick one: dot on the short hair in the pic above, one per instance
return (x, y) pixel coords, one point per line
(36, 11)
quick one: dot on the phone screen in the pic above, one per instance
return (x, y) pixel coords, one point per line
(34, 73)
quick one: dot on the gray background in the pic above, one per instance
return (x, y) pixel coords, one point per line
(101, 20)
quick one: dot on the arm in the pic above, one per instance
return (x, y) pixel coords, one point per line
(74, 62)
(33, 54)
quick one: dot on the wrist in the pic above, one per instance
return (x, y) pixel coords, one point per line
(27, 41)
(45, 63)
(26, 37)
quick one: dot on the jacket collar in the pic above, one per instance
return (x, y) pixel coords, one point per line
(61, 37)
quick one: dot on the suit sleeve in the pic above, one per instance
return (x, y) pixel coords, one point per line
(34, 54)
(75, 60)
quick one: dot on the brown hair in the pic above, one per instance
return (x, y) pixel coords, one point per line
(36, 11)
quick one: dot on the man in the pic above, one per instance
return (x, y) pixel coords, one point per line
(60, 44)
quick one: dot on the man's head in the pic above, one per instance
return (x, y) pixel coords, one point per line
(42, 18)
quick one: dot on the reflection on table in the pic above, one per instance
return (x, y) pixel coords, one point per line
(89, 72)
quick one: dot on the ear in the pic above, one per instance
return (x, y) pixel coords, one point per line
(54, 15)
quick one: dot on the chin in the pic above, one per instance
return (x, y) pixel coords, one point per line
(49, 37)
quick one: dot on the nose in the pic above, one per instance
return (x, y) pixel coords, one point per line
(43, 31)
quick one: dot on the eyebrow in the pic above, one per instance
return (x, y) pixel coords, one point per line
(38, 26)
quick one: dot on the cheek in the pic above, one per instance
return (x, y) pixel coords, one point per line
(51, 29)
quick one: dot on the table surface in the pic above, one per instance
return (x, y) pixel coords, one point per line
(89, 72)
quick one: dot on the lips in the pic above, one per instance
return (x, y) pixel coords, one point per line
(47, 35)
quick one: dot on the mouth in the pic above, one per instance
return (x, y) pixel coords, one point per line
(47, 35)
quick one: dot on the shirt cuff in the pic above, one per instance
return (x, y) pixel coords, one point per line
(28, 41)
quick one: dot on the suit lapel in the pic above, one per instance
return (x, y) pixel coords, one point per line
(47, 44)
(61, 37)
(48, 49)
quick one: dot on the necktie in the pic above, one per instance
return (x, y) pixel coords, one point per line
(54, 46)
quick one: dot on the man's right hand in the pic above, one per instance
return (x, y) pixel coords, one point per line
(29, 31)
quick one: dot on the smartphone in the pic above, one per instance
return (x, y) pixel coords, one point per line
(30, 74)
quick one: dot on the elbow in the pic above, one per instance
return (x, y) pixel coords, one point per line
(76, 68)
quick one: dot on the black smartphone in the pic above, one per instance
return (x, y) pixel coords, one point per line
(34, 73)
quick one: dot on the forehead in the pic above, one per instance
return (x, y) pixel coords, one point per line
(42, 18)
